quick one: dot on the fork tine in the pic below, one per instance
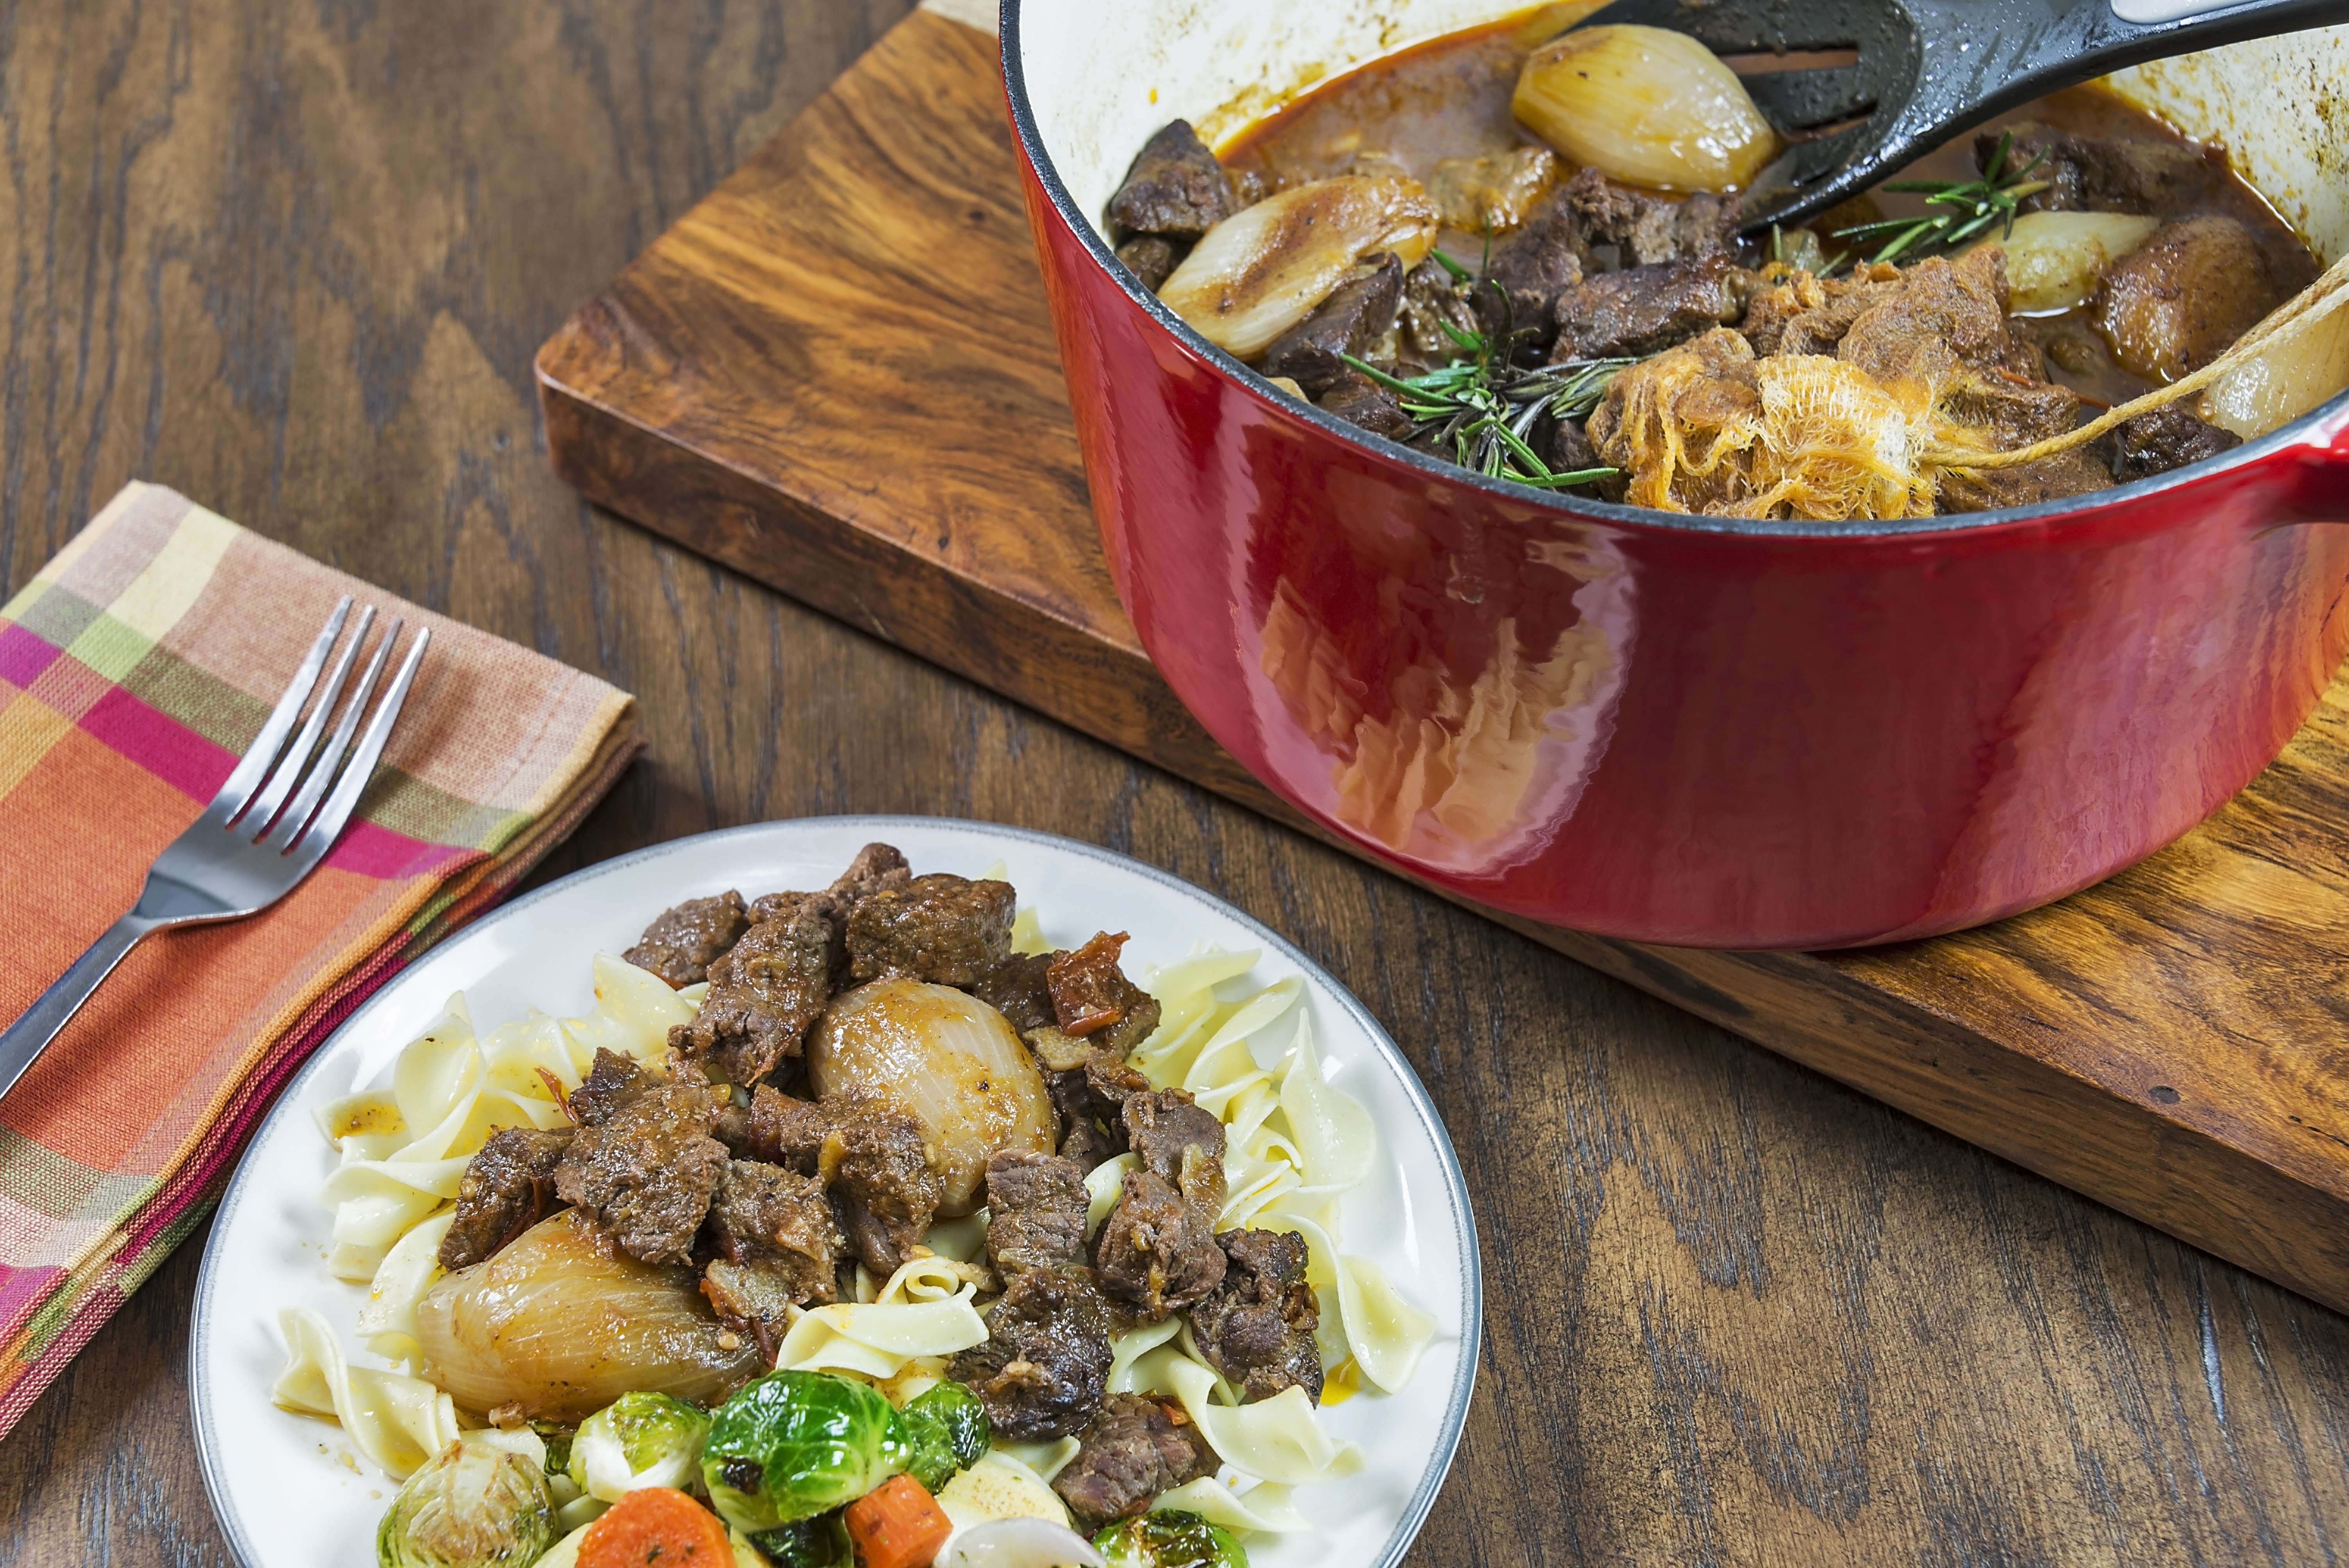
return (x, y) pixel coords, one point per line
(323, 767)
(237, 789)
(337, 811)
(289, 769)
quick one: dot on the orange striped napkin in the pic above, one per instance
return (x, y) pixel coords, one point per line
(134, 670)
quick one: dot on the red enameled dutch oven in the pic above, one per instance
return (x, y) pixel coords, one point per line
(1711, 733)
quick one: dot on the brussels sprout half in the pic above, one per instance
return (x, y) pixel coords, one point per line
(472, 1507)
(1171, 1539)
(638, 1440)
(949, 1431)
(792, 1445)
(819, 1543)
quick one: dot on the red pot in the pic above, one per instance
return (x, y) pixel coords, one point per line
(1722, 733)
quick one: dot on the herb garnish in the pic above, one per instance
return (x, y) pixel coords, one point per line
(1974, 205)
(1484, 407)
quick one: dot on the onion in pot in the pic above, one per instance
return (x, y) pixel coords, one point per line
(563, 1324)
(2053, 259)
(947, 1059)
(1263, 269)
(1645, 106)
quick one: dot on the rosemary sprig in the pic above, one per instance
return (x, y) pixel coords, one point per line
(1484, 411)
(1973, 207)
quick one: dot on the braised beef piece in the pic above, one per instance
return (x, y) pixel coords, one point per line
(940, 928)
(1179, 1142)
(881, 1180)
(2104, 174)
(877, 868)
(766, 992)
(1361, 401)
(1353, 320)
(1018, 989)
(1151, 259)
(613, 1079)
(682, 943)
(1808, 314)
(2176, 302)
(1093, 999)
(1256, 1327)
(509, 1187)
(1035, 1212)
(1566, 447)
(1532, 267)
(1045, 1362)
(1432, 300)
(1091, 1099)
(1646, 230)
(2163, 438)
(1175, 187)
(1088, 1146)
(1647, 308)
(1135, 1449)
(775, 1129)
(777, 1246)
(646, 1171)
(1156, 1252)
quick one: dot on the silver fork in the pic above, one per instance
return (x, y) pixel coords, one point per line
(280, 811)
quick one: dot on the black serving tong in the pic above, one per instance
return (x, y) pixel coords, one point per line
(1930, 70)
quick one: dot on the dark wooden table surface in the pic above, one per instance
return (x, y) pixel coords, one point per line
(292, 257)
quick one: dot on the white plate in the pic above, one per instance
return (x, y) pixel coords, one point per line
(292, 1493)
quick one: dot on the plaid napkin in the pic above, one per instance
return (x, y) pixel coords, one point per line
(134, 670)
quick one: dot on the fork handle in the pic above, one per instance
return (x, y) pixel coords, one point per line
(29, 1035)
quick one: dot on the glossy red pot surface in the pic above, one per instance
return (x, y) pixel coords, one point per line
(1730, 734)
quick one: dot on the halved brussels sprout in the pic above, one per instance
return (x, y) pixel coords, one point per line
(792, 1445)
(949, 1431)
(639, 1441)
(1171, 1539)
(474, 1506)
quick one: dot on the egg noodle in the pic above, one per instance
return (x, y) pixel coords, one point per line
(1294, 1148)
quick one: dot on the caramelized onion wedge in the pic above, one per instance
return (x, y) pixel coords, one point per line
(1262, 270)
(947, 1059)
(1645, 106)
(562, 1324)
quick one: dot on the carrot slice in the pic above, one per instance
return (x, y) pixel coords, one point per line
(657, 1525)
(896, 1525)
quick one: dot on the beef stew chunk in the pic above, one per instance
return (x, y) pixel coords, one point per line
(1136, 1448)
(1019, 989)
(646, 1171)
(767, 992)
(2175, 303)
(1363, 403)
(509, 1187)
(1035, 1212)
(774, 1128)
(1433, 299)
(683, 942)
(1176, 188)
(1180, 1143)
(2148, 177)
(2166, 437)
(1044, 1365)
(1352, 320)
(1093, 999)
(1534, 265)
(940, 928)
(1156, 1252)
(874, 1161)
(612, 1080)
(1256, 1327)
(1645, 229)
(1151, 259)
(1647, 308)
(777, 1246)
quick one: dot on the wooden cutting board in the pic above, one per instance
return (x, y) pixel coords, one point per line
(837, 376)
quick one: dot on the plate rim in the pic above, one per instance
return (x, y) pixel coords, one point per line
(1415, 1507)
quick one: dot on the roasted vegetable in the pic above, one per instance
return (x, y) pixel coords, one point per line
(657, 1525)
(947, 1059)
(1645, 106)
(950, 1430)
(563, 1324)
(472, 1507)
(819, 1543)
(639, 1441)
(896, 1525)
(1171, 1539)
(793, 1444)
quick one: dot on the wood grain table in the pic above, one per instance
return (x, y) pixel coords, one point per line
(292, 257)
